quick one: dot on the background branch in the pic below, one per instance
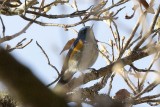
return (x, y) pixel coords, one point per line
(24, 85)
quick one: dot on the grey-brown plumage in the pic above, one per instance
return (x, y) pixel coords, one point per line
(82, 54)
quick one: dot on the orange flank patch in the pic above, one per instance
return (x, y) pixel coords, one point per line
(77, 48)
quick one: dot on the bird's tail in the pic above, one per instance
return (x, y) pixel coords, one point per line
(65, 78)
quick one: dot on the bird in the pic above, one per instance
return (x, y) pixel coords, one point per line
(82, 55)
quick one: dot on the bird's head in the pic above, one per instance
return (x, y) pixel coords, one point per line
(85, 33)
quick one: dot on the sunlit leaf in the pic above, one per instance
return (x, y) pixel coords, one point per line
(108, 21)
(46, 9)
(157, 26)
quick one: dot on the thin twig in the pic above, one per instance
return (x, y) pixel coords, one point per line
(7, 38)
(147, 34)
(144, 77)
(118, 11)
(3, 26)
(131, 35)
(49, 63)
(20, 45)
(149, 97)
(110, 84)
(128, 81)
(131, 44)
(142, 70)
(50, 16)
(76, 8)
(115, 38)
(118, 36)
(108, 61)
(148, 88)
(112, 45)
(48, 85)
(55, 3)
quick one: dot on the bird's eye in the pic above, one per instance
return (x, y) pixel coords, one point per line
(83, 32)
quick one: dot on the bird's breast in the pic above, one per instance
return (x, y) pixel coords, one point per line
(88, 56)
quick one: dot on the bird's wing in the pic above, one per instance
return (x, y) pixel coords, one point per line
(77, 46)
(65, 64)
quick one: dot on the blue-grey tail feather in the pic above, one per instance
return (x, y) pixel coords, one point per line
(62, 81)
(66, 78)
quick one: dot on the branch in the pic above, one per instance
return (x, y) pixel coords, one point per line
(146, 101)
(3, 26)
(7, 38)
(24, 85)
(55, 3)
(147, 34)
(66, 25)
(128, 81)
(50, 16)
(131, 35)
(142, 99)
(142, 70)
(18, 10)
(49, 63)
(20, 45)
(148, 88)
(107, 71)
(97, 100)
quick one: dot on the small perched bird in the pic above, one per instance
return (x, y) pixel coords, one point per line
(81, 55)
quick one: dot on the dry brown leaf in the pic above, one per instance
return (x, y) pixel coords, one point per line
(131, 16)
(122, 94)
(144, 3)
